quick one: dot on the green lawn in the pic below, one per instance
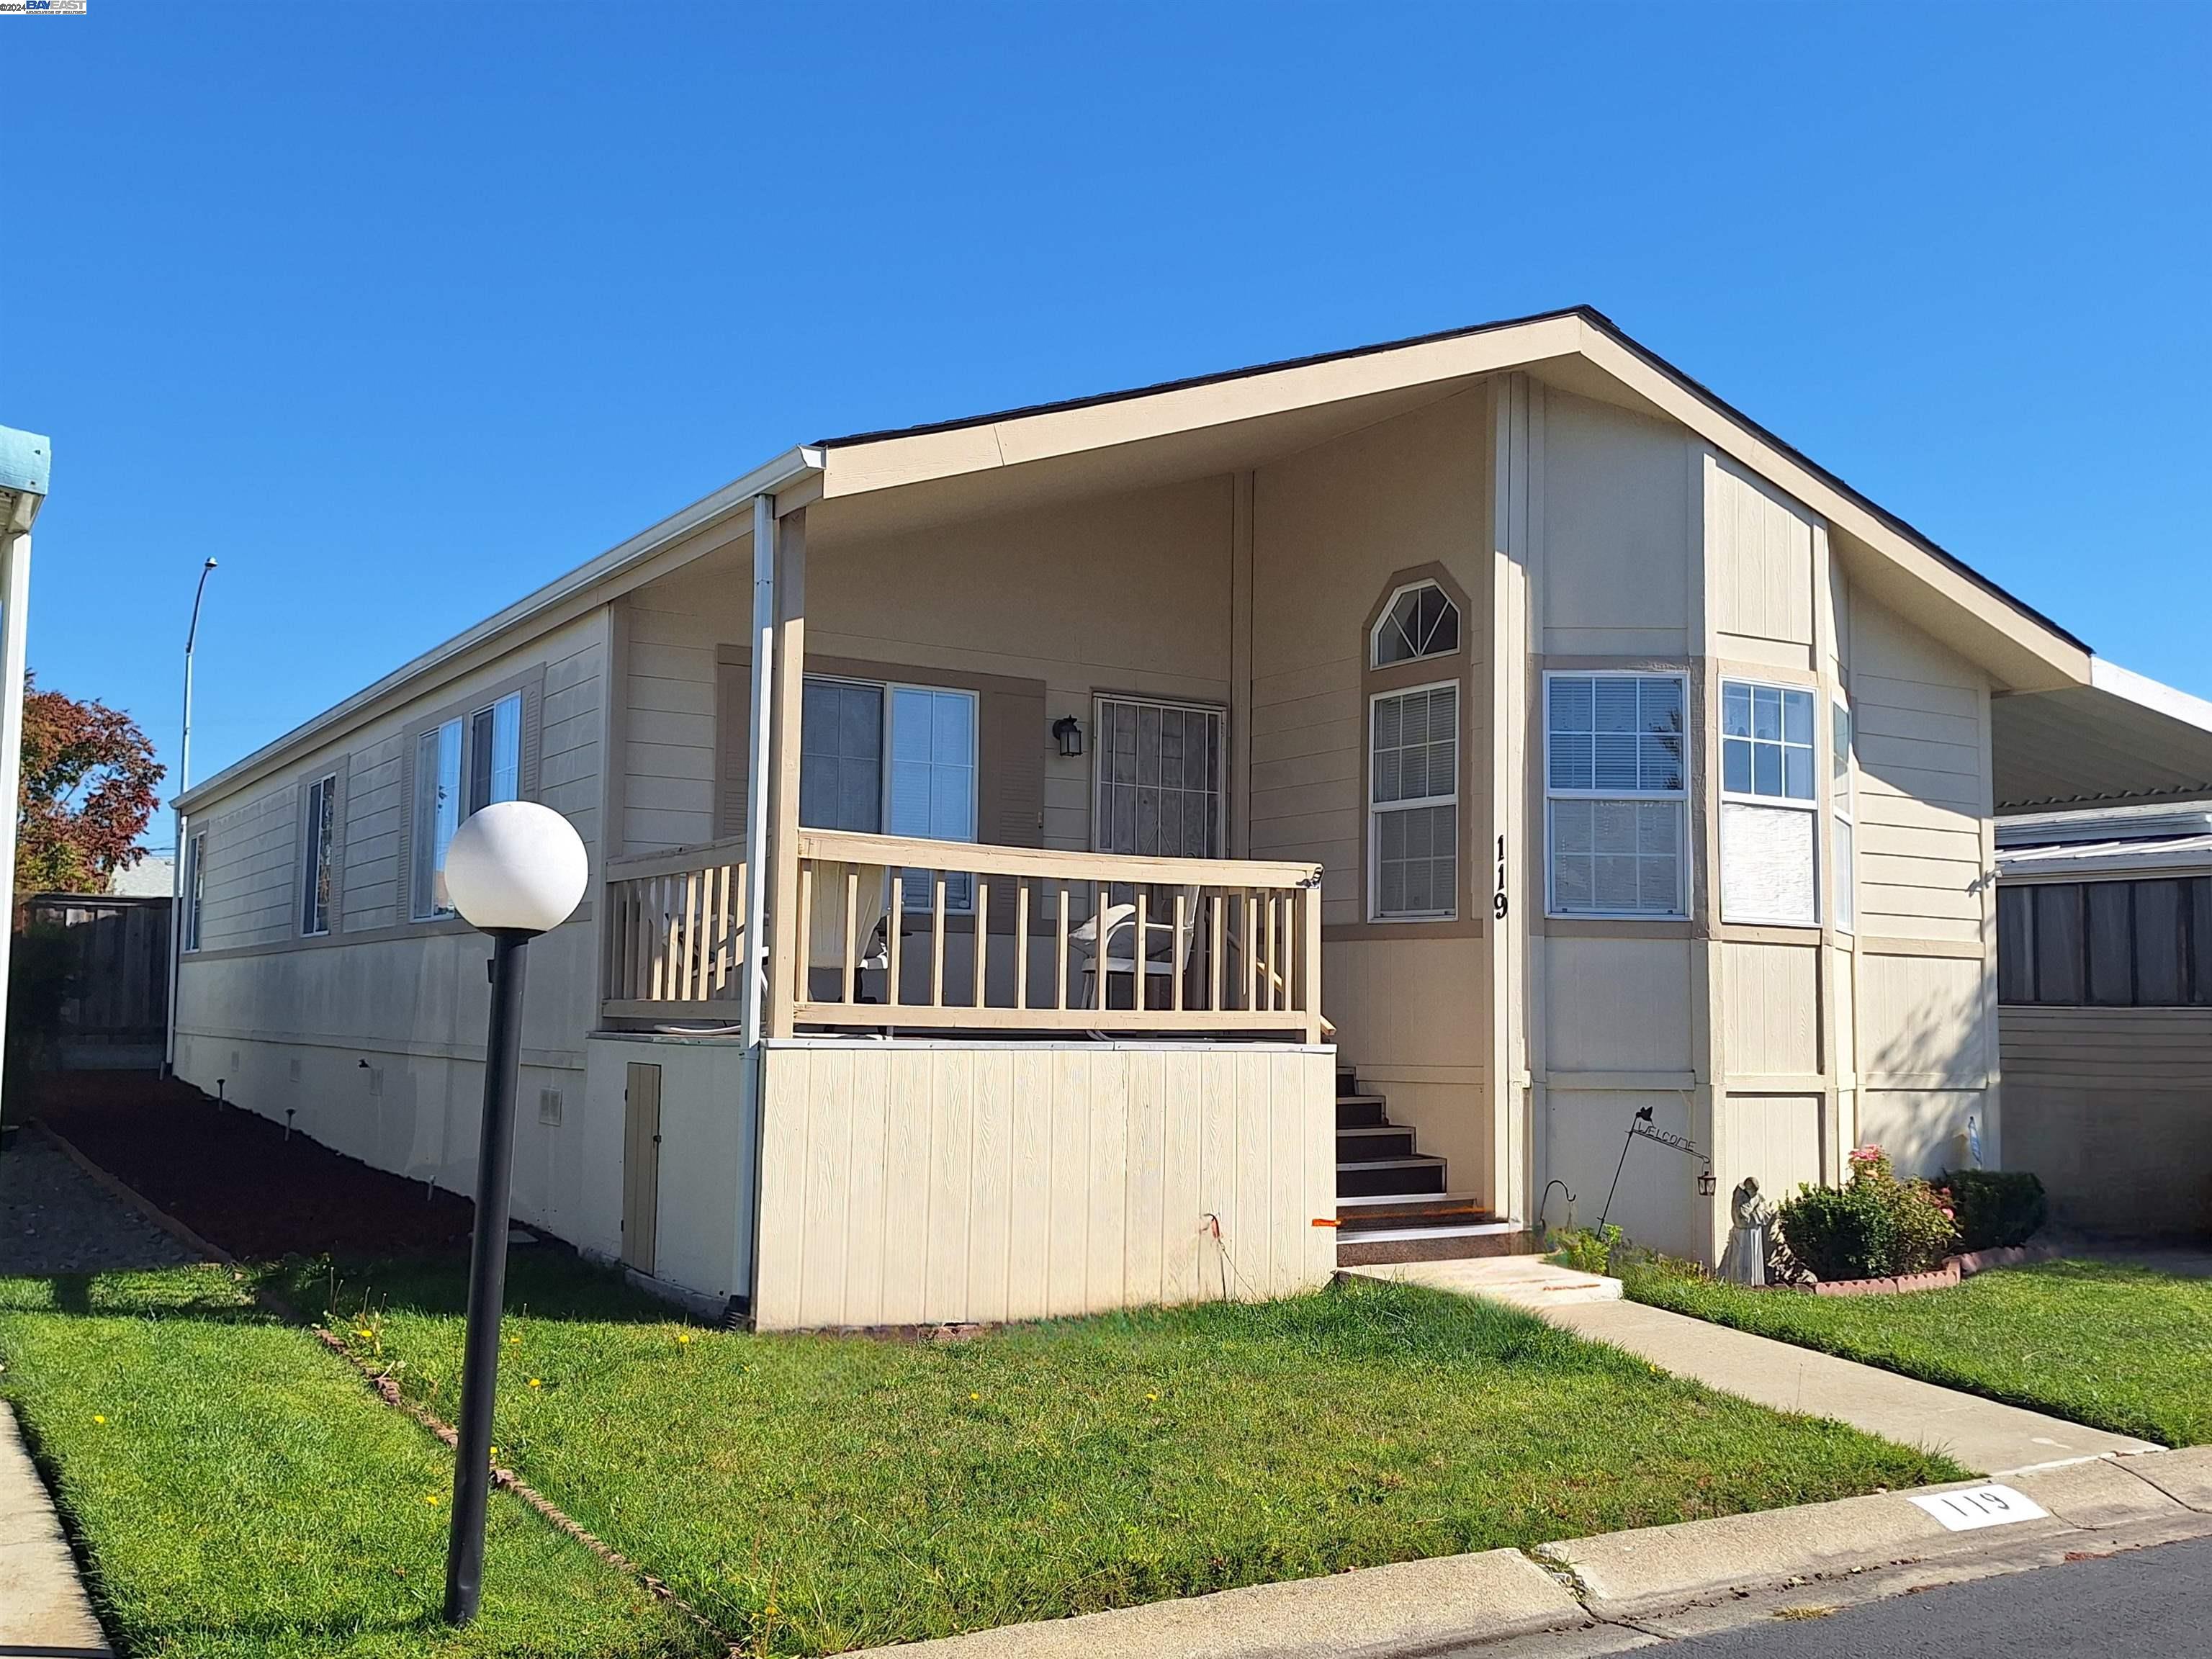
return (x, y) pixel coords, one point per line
(813, 1494)
(242, 1493)
(2118, 1347)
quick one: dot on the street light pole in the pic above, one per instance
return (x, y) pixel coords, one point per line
(514, 870)
(177, 819)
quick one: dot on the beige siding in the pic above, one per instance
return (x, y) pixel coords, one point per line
(1775, 1140)
(1920, 1021)
(1332, 526)
(668, 722)
(2112, 1108)
(1923, 793)
(250, 854)
(373, 1037)
(1617, 1005)
(923, 1184)
(1618, 549)
(1759, 552)
(1773, 1010)
(374, 805)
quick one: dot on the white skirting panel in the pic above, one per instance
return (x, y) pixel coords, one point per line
(919, 1183)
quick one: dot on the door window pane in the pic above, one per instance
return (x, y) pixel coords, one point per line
(933, 776)
(841, 750)
(1157, 778)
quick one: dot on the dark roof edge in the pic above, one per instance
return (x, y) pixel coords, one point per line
(1589, 314)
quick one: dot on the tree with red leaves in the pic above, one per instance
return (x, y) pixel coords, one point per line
(90, 783)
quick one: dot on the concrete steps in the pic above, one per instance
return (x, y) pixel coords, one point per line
(1394, 1202)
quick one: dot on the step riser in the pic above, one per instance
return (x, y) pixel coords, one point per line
(1367, 1251)
(1363, 1115)
(1391, 1143)
(1368, 1183)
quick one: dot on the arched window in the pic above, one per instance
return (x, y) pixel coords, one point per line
(1420, 621)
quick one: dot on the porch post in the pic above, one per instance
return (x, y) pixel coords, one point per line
(787, 947)
(757, 771)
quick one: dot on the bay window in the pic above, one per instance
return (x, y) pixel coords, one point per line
(1768, 808)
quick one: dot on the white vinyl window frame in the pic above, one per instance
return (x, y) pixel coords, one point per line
(1377, 810)
(318, 858)
(1386, 620)
(195, 885)
(455, 779)
(1679, 798)
(1777, 800)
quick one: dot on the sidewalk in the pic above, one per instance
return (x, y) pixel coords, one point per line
(43, 1610)
(1974, 1433)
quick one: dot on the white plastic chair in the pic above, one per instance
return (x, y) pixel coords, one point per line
(1120, 933)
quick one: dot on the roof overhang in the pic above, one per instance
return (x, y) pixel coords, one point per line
(25, 466)
(621, 566)
(2121, 739)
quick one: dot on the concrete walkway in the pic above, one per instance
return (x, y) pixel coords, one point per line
(43, 1610)
(1977, 1433)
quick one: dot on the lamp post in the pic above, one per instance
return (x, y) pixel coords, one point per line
(177, 820)
(514, 870)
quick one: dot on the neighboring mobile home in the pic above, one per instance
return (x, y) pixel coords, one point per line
(1497, 718)
(2105, 1013)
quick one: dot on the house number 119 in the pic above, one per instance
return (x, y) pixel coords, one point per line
(1498, 905)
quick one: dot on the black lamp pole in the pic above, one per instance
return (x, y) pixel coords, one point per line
(486, 1280)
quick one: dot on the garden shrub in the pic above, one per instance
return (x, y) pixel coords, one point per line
(1585, 1249)
(1995, 1208)
(1873, 1226)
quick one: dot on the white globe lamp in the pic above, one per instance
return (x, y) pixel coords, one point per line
(516, 866)
(516, 869)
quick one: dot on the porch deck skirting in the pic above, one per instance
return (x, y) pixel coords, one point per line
(921, 1182)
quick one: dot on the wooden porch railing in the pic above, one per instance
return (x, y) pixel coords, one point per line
(899, 934)
(1009, 939)
(675, 933)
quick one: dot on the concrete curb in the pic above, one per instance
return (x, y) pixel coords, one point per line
(44, 1608)
(1418, 1608)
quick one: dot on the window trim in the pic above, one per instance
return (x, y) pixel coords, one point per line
(1843, 808)
(1413, 584)
(1751, 797)
(530, 683)
(194, 889)
(1374, 912)
(1681, 797)
(1214, 711)
(326, 785)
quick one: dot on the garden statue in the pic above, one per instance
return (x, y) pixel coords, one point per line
(1744, 1262)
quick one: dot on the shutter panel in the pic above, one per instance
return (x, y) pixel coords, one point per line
(734, 702)
(1009, 741)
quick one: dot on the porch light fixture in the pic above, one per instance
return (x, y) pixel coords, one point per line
(1069, 731)
(514, 870)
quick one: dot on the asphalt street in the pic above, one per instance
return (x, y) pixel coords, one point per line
(2148, 1604)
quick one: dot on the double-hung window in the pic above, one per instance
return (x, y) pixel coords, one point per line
(1413, 826)
(1769, 810)
(316, 864)
(461, 767)
(888, 759)
(195, 885)
(1616, 785)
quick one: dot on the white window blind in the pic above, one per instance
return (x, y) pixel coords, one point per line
(1769, 820)
(1616, 783)
(1413, 803)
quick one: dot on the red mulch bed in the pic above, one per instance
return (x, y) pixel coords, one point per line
(233, 1179)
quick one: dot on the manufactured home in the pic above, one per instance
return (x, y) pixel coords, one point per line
(1166, 844)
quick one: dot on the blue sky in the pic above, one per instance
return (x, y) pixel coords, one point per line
(399, 310)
